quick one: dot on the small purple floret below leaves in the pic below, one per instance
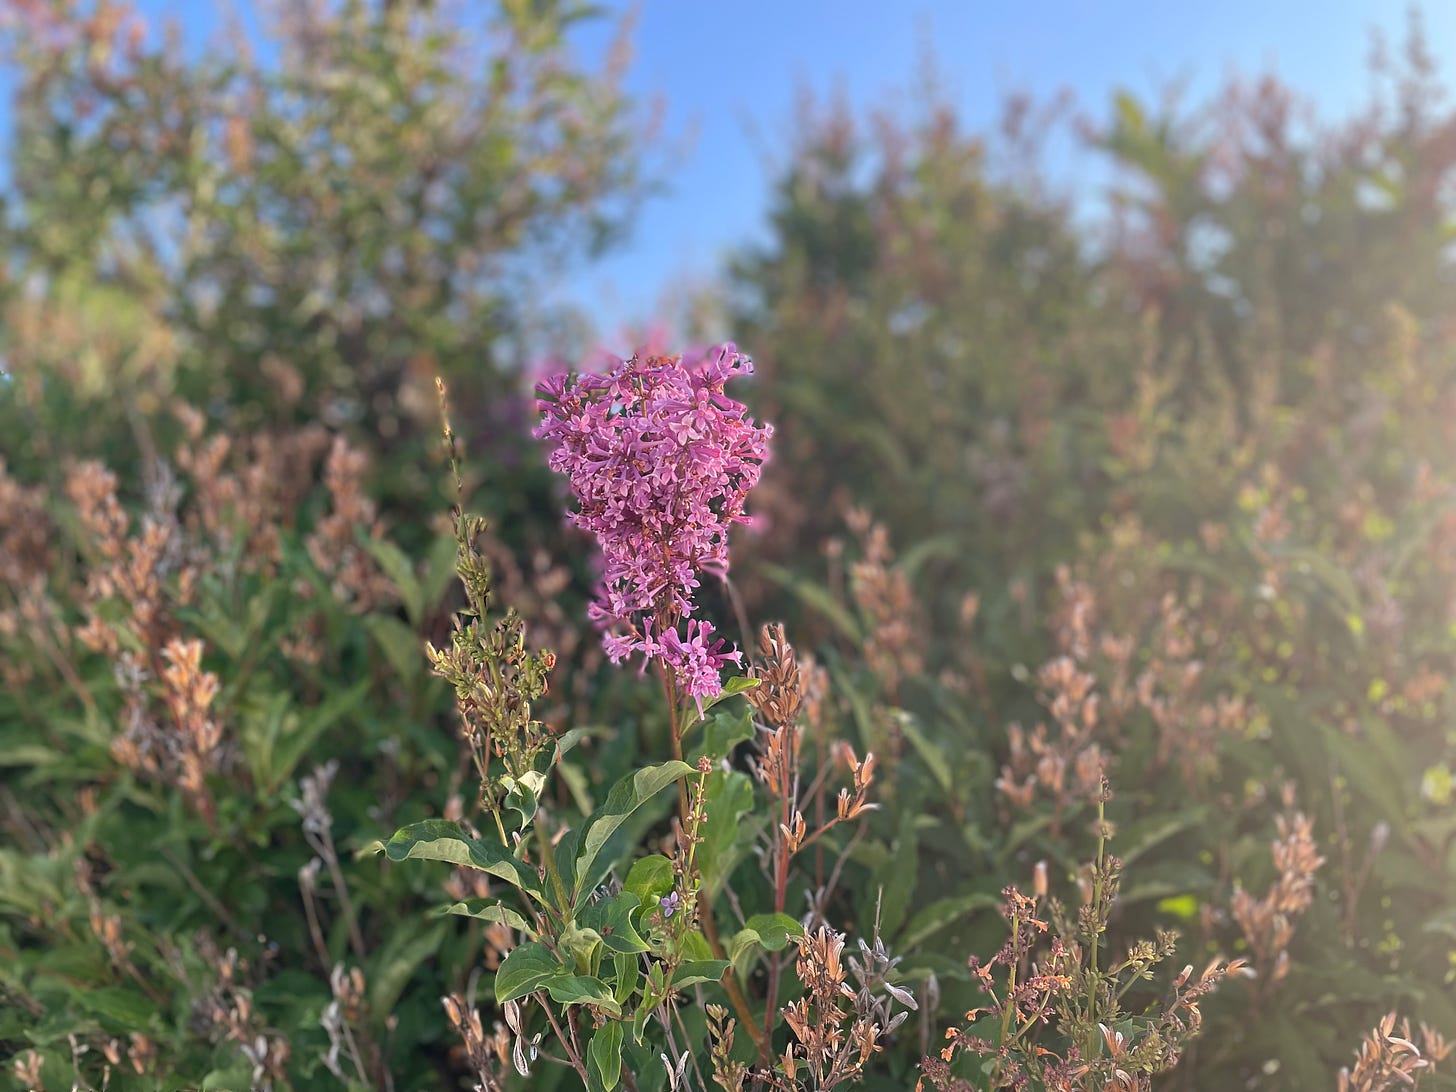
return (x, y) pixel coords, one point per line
(660, 460)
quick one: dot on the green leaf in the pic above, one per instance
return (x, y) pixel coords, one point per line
(442, 840)
(392, 968)
(524, 970)
(612, 920)
(726, 838)
(580, 989)
(583, 945)
(1137, 838)
(775, 930)
(118, 1005)
(628, 975)
(739, 684)
(492, 910)
(818, 599)
(946, 547)
(895, 880)
(627, 796)
(723, 733)
(397, 566)
(567, 741)
(1184, 907)
(29, 754)
(402, 646)
(523, 794)
(931, 754)
(762, 931)
(692, 971)
(694, 946)
(292, 747)
(439, 570)
(650, 877)
(941, 913)
(578, 784)
(742, 945)
(652, 994)
(225, 1080)
(604, 1055)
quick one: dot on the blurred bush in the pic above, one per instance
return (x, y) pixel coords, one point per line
(1196, 476)
(308, 227)
(230, 280)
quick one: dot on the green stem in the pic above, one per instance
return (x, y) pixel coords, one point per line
(705, 912)
(1096, 925)
(669, 692)
(1008, 1008)
(548, 861)
(500, 827)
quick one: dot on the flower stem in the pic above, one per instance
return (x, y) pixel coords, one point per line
(1096, 923)
(705, 913)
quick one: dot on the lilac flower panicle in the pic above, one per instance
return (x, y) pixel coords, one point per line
(660, 460)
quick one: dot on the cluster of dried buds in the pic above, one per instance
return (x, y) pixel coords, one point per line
(1067, 765)
(894, 645)
(1034, 983)
(1388, 1061)
(778, 699)
(134, 568)
(496, 677)
(346, 1021)
(487, 1056)
(1268, 923)
(226, 1014)
(355, 577)
(245, 488)
(26, 555)
(837, 1027)
(1172, 687)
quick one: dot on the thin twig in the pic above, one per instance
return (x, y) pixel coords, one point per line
(561, 1038)
(213, 903)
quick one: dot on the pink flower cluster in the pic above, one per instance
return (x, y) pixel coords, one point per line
(661, 462)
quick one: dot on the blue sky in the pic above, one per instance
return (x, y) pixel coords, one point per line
(729, 75)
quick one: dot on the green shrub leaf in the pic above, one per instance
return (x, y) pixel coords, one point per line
(442, 840)
(524, 970)
(627, 796)
(604, 1055)
(650, 877)
(612, 920)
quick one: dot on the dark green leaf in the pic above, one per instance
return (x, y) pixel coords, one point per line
(402, 646)
(524, 970)
(578, 989)
(692, 971)
(492, 910)
(523, 794)
(739, 684)
(943, 912)
(604, 1054)
(627, 796)
(442, 840)
(612, 919)
(774, 930)
(722, 734)
(650, 877)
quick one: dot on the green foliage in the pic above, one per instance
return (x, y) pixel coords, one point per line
(1154, 494)
(1176, 508)
(311, 236)
(214, 688)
